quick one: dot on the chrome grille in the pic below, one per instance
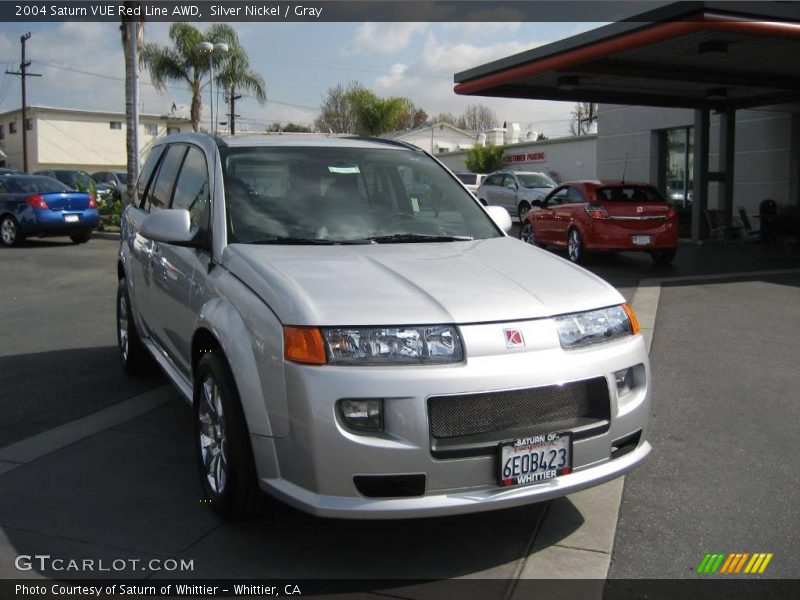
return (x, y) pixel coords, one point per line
(474, 414)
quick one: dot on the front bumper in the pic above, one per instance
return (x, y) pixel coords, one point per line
(313, 468)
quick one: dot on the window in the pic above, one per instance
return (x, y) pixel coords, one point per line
(151, 128)
(12, 127)
(2, 132)
(146, 174)
(191, 190)
(677, 162)
(115, 124)
(558, 198)
(161, 189)
(171, 130)
(496, 179)
(574, 196)
(29, 124)
(509, 182)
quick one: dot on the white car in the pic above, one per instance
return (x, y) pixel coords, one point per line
(516, 191)
(359, 353)
(471, 181)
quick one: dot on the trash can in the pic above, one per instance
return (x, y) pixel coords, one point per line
(768, 213)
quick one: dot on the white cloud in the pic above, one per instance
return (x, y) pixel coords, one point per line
(428, 81)
(383, 38)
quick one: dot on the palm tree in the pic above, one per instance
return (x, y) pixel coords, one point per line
(235, 76)
(131, 75)
(184, 62)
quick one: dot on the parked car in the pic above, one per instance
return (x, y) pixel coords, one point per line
(9, 171)
(357, 355)
(516, 191)
(42, 206)
(471, 181)
(80, 181)
(586, 216)
(116, 180)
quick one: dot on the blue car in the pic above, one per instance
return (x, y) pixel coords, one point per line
(42, 206)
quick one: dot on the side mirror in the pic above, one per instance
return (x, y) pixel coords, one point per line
(500, 216)
(172, 226)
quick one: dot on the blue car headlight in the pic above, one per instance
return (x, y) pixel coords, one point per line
(433, 344)
(595, 326)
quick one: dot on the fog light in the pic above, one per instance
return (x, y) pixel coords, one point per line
(624, 381)
(364, 415)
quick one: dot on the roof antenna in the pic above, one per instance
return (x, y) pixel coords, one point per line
(624, 168)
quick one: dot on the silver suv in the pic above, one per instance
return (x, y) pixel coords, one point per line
(357, 338)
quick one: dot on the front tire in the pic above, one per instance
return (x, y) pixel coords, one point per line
(132, 353)
(9, 232)
(527, 234)
(575, 246)
(222, 441)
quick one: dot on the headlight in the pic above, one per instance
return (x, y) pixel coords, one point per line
(594, 326)
(393, 345)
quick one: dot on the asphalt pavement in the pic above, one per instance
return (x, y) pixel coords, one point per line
(111, 472)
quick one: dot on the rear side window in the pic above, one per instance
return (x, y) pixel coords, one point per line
(146, 174)
(191, 191)
(628, 193)
(468, 178)
(161, 189)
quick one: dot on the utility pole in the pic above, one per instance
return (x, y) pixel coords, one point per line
(232, 100)
(22, 74)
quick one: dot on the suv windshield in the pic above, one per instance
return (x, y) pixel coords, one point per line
(535, 180)
(74, 179)
(345, 195)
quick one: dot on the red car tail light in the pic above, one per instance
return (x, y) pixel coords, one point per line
(36, 201)
(596, 211)
(92, 201)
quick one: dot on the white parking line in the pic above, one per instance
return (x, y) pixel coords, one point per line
(54, 439)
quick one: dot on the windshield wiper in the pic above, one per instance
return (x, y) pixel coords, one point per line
(299, 241)
(399, 238)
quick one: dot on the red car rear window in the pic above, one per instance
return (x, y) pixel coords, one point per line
(628, 193)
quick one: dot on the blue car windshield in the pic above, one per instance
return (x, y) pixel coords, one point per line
(313, 194)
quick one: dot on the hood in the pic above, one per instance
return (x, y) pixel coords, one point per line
(500, 279)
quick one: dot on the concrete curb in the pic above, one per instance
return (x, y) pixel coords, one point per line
(105, 235)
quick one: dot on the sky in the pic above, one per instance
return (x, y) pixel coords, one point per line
(82, 67)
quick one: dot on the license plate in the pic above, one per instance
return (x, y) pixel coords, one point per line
(641, 240)
(71, 218)
(535, 459)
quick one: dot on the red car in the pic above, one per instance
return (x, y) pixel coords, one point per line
(590, 216)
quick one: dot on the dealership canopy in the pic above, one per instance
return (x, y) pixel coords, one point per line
(688, 54)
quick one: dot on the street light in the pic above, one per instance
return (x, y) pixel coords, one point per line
(210, 49)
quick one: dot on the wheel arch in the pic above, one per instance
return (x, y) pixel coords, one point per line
(256, 372)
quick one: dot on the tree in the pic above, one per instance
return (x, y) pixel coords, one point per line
(289, 128)
(484, 159)
(478, 117)
(336, 114)
(375, 115)
(583, 114)
(449, 118)
(419, 118)
(131, 51)
(541, 137)
(235, 75)
(185, 62)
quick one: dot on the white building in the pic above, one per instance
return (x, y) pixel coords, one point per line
(437, 138)
(78, 139)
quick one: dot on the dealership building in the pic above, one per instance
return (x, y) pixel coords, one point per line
(702, 99)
